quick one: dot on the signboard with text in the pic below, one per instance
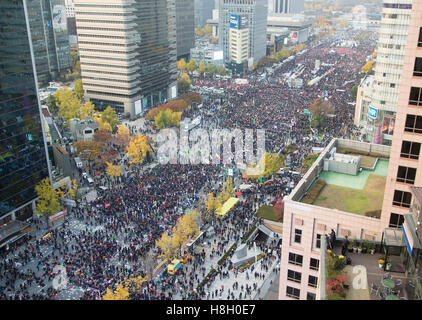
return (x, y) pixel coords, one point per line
(234, 21)
(372, 112)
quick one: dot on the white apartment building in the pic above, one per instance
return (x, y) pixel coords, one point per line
(377, 116)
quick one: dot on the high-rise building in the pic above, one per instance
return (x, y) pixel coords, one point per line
(50, 39)
(185, 27)
(286, 6)
(256, 12)
(239, 42)
(405, 168)
(203, 11)
(70, 8)
(128, 53)
(24, 160)
(377, 112)
(385, 196)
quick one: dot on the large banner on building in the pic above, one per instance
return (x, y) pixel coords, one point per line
(388, 124)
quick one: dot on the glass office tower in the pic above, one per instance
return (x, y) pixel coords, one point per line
(50, 38)
(23, 158)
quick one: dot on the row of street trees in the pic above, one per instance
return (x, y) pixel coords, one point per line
(186, 228)
(283, 53)
(192, 65)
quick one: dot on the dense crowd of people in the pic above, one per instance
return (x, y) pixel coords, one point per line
(105, 241)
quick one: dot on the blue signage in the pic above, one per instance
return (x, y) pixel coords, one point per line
(409, 247)
(372, 113)
(234, 21)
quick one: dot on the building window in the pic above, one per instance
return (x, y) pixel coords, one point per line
(420, 38)
(396, 220)
(314, 264)
(310, 296)
(413, 124)
(293, 292)
(402, 198)
(415, 98)
(298, 235)
(417, 70)
(410, 150)
(294, 276)
(296, 259)
(406, 175)
(313, 281)
(318, 241)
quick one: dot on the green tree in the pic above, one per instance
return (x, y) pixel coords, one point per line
(273, 163)
(51, 103)
(68, 104)
(87, 110)
(183, 83)
(198, 31)
(354, 90)
(207, 30)
(167, 118)
(222, 71)
(191, 66)
(320, 110)
(109, 115)
(48, 202)
(201, 68)
(79, 89)
(212, 68)
(227, 190)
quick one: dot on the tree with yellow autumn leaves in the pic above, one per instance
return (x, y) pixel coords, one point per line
(368, 66)
(228, 190)
(113, 170)
(48, 202)
(186, 228)
(138, 148)
(127, 289)
(67, 190)
(122, 136)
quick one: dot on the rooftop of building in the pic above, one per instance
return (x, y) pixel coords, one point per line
(348, 176)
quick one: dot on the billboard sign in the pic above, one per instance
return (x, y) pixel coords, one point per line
(234, 21)
(218, 55)
(372, 112)
(138, 107)
(388, 124)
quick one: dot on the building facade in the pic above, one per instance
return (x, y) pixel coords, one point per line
(239, 42)
(128, 53)
(203, 11)
(286, 6)
(256, 12)
(378, 113)
(185, 27)
(24, 161)
(50, 39)
(70, 8)
(405, 168)
(307, 219)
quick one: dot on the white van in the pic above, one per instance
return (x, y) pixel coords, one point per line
(90, 182)
(78, 162)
